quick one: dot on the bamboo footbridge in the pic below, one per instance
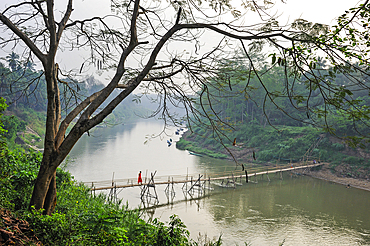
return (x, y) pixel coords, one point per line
(183, 179)
(200, 183)
(191, 186)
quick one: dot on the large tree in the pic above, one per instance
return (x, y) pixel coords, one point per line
(150, 33)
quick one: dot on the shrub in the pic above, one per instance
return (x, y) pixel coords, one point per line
(338, 146)
(182, 144)
(266, 155)
(353, 160)
(80, 218)
(18, 174)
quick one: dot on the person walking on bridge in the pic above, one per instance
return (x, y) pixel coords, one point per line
(139, 180)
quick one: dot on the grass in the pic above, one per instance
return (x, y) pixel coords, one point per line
(81, 218)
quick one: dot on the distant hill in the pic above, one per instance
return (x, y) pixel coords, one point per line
(25, 117)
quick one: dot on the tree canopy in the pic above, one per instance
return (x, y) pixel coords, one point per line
(158, 46)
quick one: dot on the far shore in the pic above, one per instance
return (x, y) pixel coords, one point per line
(325, 174)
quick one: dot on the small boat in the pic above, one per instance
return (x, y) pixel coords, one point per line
(223, 185)
(196, 154)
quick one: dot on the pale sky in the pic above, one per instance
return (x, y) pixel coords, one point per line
(321, 11)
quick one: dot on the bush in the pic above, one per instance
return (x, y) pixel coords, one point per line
(182, 144)
(13, 125)
(338, 146)
(80, 217)
(265, 155)
(17, 176)
(353, 160)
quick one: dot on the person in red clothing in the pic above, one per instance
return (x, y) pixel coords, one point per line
(139, 180)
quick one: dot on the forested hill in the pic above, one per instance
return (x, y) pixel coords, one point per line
(257, 130)
(24, 90)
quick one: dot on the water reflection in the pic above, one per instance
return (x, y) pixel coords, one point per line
(127, 149)
(297, 209)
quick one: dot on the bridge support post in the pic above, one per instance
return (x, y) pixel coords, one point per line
(146, 196)
(112, 197)
(281, 174)
(92, 188)
(197, 184)
(170, 192)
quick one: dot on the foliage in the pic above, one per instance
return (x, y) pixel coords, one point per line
(18, 171)
(18, 174)
(22, 85)
(275, 135)
(80, 217)
(3, 106)
(244, 99)
(13, 125)
(174, 73)
(212, 152)
(107, 224)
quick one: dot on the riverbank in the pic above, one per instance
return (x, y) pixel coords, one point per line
(325, 173)
(263, 146)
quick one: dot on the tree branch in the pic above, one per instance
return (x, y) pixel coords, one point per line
(72, 115)
(63, 23)
(23, 37)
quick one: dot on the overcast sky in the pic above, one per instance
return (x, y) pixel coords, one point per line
(321, 11)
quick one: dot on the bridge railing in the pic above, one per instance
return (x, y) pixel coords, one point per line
(194, 176)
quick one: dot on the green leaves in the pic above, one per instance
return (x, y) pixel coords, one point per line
(280, 61)
(273, 59)
(312, 65)
(80, 218)
(17, 175)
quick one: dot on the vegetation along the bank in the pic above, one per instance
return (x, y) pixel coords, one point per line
(314, 77)
(254, 131)
(80, 218)
(152, 54)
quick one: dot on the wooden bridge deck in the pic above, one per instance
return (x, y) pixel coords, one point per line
(114, 183)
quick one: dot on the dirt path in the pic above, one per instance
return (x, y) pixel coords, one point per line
(325, 174)
(14, 231)
(30, 130)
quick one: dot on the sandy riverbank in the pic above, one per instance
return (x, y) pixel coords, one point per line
(325, 174)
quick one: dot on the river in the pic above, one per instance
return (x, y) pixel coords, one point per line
(296, 210)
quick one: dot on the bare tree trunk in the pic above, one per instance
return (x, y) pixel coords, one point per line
(51, 196)
(44, 191)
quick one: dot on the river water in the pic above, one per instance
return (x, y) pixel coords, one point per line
(296, 210)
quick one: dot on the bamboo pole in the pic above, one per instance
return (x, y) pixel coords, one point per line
(277, 171)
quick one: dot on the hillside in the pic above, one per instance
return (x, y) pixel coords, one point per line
(258, 145)
(24, 119)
